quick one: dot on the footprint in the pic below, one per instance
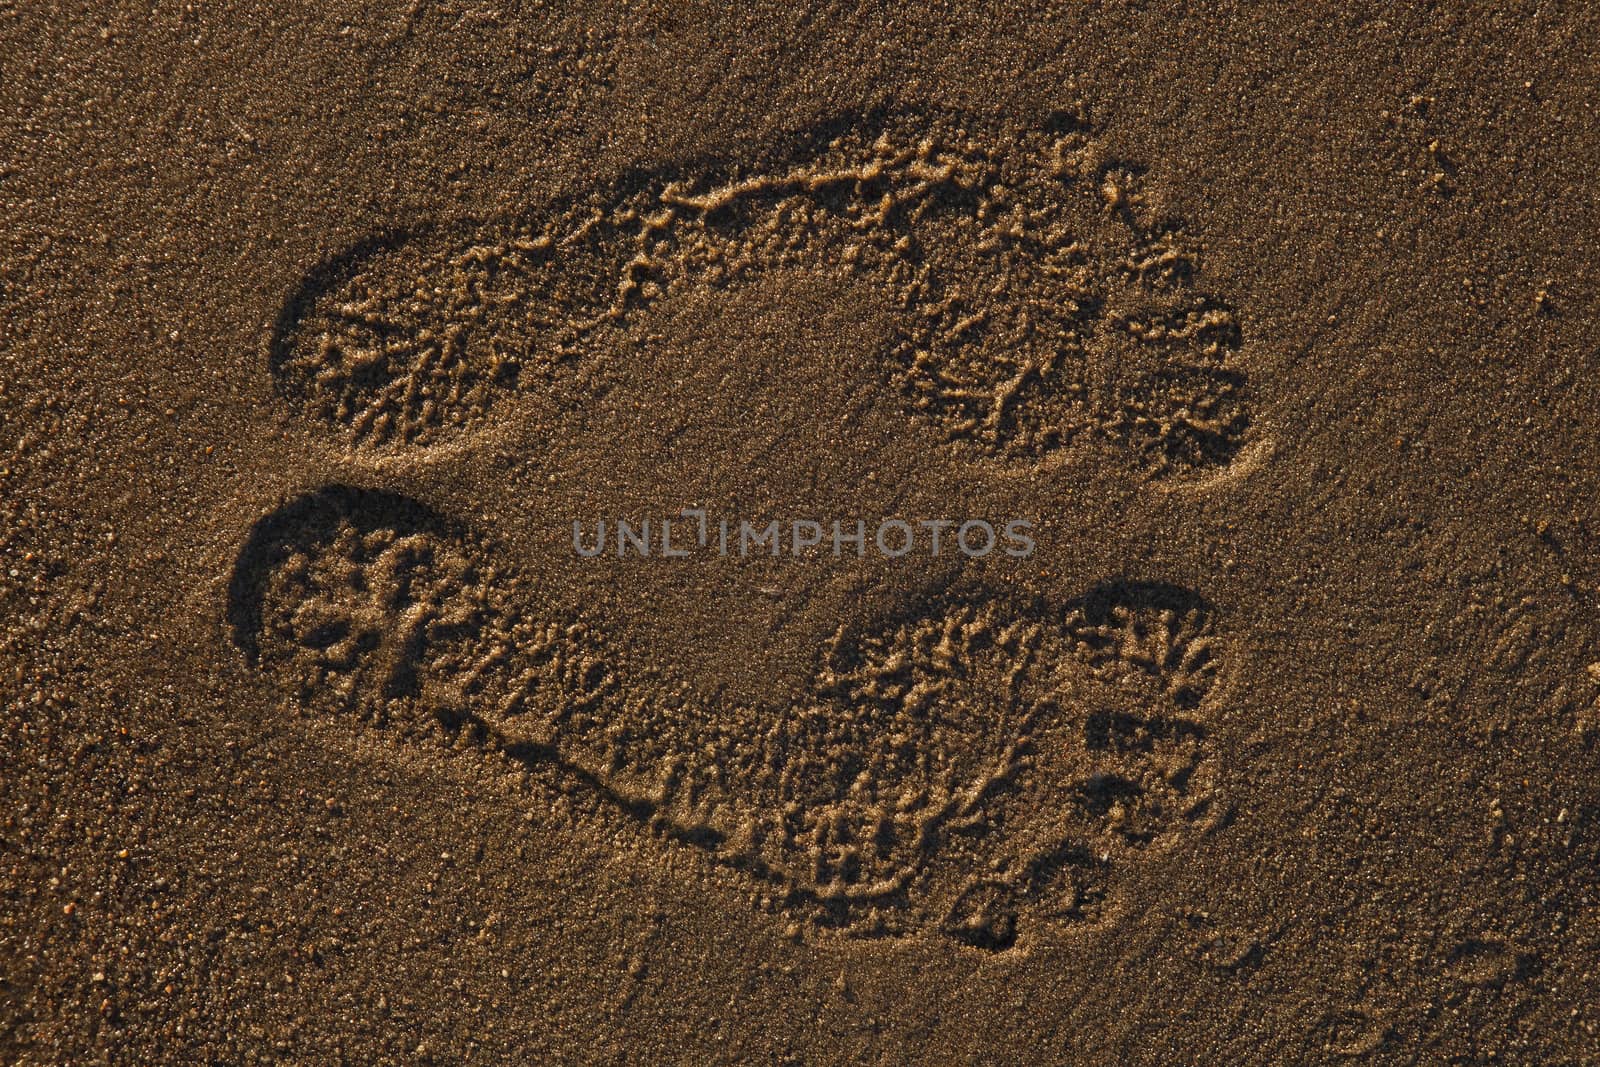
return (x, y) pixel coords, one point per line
(979, 764)
(1042, 300)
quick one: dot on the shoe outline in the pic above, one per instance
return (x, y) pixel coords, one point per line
(1041, 299)
(1001, 776)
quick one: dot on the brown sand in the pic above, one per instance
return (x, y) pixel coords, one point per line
(319, 330)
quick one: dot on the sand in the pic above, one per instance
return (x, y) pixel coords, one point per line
(1261, 726)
